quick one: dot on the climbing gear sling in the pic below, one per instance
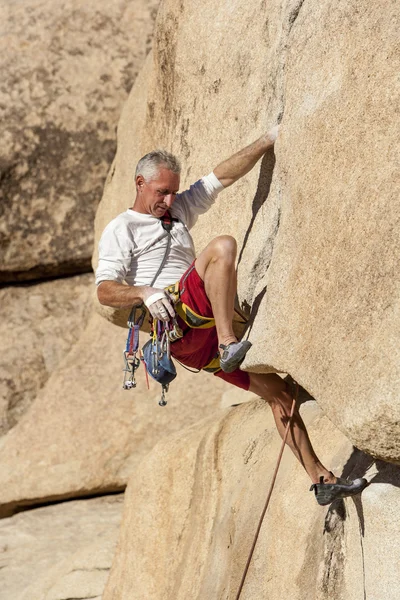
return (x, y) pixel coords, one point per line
(157, 357)
(131, 360)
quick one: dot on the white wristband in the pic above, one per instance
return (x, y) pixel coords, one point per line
(153, 298)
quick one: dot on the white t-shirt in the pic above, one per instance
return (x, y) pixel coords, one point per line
(133, 245)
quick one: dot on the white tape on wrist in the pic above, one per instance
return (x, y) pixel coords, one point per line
(153, 298)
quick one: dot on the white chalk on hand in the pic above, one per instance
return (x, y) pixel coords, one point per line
(153, 298)
(273, 133)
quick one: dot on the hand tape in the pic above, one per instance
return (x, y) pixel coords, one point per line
(154, 297)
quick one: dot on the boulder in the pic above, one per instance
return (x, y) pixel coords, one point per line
(316, 221)
(38, 326)
(193, 507)
(66, 70)
(60, 551)
(84, 434)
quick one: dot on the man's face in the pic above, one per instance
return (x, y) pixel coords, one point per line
(155, 197)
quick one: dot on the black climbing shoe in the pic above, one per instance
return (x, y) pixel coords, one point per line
(233, 355)
(326, 493)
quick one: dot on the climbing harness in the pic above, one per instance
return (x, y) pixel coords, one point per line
(187, 314)
(196, 321)
(278, 462)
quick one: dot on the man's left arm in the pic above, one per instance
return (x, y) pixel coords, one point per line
(242, 162)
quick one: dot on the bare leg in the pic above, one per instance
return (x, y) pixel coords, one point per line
(274, 390)
(216, 267)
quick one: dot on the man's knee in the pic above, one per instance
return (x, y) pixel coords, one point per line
(220, 249)
(224, 246)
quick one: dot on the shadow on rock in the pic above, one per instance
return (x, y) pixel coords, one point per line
(263, 187)
(357, 466)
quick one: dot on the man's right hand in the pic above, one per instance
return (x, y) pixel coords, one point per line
(159, 304)
(118, 295)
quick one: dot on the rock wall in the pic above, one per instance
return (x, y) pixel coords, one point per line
(192, 510)
(66, 70)
(59, 551)
(39, 324)
(316, 224)
(317, 221)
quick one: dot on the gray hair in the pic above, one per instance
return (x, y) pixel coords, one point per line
(149, 165)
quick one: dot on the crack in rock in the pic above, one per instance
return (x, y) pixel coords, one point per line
(294, 13)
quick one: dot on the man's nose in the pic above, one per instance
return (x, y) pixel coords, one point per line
(169, 200)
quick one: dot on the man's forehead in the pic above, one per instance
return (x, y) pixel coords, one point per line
(165, 175)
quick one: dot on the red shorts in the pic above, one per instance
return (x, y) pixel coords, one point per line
(199, 346)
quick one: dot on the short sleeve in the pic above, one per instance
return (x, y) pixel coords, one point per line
(115, 253)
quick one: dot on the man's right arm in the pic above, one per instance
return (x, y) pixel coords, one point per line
(115, 258)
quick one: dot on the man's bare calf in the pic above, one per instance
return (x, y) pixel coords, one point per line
(274, 390)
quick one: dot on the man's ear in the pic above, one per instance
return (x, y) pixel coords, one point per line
(139, 182)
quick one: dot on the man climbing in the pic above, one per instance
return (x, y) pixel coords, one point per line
(132, 251)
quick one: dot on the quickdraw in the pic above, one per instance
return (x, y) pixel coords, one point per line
(132, 362)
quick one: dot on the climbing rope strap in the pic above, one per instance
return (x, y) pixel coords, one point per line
(278, 462)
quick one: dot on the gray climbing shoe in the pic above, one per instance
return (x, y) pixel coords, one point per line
(326, 493)
(233, 355)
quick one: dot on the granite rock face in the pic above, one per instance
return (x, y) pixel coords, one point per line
(66, 70)
(196, 500)
(331, 306)
(317, 220)
(315, 224)
(38, 326)
(59, 551)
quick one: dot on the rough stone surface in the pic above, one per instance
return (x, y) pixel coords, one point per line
(316, 222)
(195, 502)
(83, 433)
(59, 551)
(331, 309)
(38, 326)
(66, 70)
